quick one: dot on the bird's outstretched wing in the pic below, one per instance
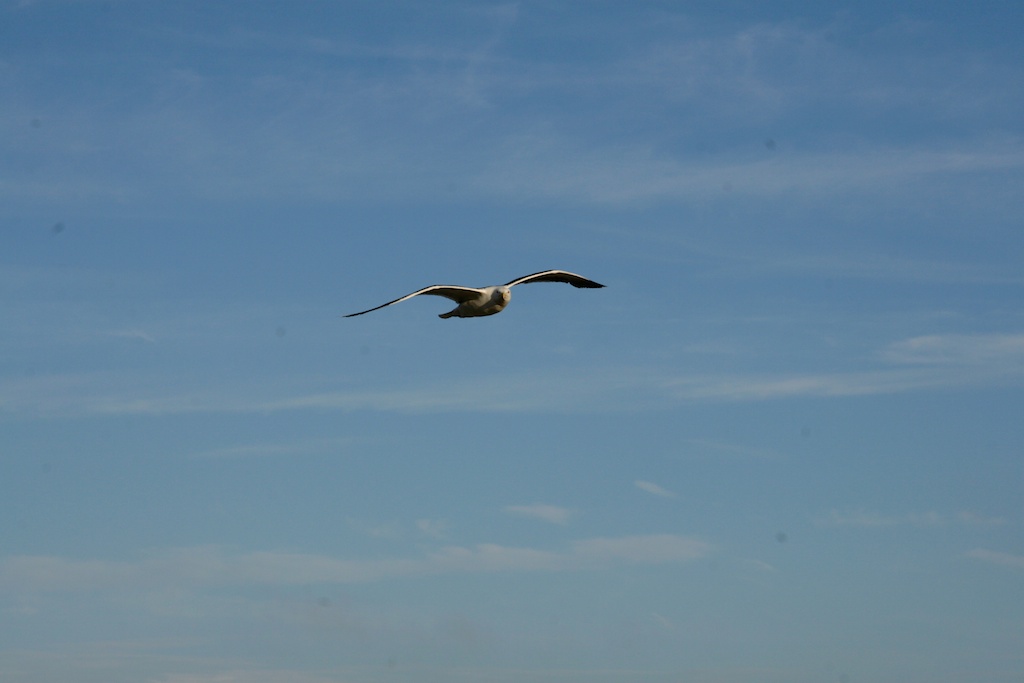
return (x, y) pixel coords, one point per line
(453, 292)
(556, 276)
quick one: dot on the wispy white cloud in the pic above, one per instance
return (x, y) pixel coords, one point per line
(865, 519)
(976, 519)
(213, 565)
(540, 168)
(301, 447)
(959, 349)
(434, 528)
(248, 676)
(541, 511)
(764, 387)
(465, 116)
(865, 266)
(134, 333)
(651, 549)
(651, 487)
(869, 519)
(760, 565)
(730, 449)
(996, 557)
(663, 621)
(855, 383)
(374, 529)
(917, 364)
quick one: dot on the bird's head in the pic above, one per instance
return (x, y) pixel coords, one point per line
(505, 294)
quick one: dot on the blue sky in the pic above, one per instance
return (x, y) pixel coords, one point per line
(783, 445)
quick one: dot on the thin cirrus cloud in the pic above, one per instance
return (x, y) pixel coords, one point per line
(541, 511)
(297, 448)
(769, 387)
(248, 676)
(514, 154)
(213, 565)
(599, 176)
(869, 519)
(652, 488)
(919, 363)
(554, 166)
(134, 333)
(434, 528)
(997, 557)
(913, 365)
(958, 349)
(866, 519)
(871, 267)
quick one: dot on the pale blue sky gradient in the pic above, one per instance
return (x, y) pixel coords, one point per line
(784, 444)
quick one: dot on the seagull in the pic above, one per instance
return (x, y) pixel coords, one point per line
(474, 302)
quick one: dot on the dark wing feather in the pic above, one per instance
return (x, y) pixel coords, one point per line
(453, 292)
(556, 276)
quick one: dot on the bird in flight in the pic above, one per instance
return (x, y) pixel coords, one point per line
(474, 302)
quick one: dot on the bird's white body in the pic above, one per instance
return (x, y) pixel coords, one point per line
(489, 301)
(476, 302)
